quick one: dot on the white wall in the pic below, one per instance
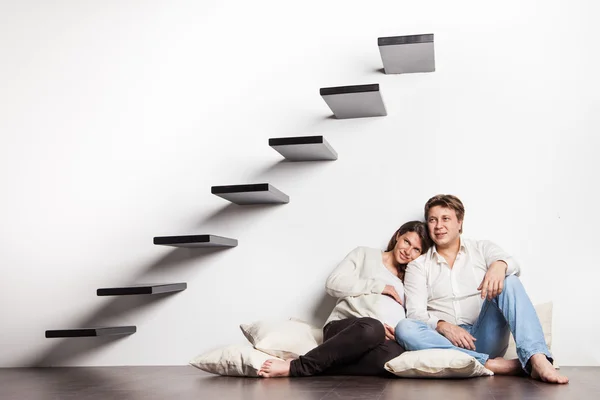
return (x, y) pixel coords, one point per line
(117, 117)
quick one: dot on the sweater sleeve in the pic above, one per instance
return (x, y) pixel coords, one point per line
(415, 288)
(346, 280)
(492, 253)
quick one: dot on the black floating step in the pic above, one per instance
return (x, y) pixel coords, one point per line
(142, 289)
(89, 332)
(354, 101)
(407, 54)
(260, 193)
(195, 241)
(304, 148)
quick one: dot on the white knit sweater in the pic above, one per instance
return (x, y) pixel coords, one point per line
(358, 282)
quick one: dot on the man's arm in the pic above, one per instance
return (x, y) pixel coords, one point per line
(345, 280)
(492, 254)
(415, 288)
(499, 265)
(456, 335)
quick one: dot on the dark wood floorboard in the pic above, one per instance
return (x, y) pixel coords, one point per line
(182, 382)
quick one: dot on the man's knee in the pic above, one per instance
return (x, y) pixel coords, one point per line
(407, 330)
(370, 330)
(511, 283)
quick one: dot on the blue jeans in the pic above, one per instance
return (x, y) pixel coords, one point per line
(512, 311)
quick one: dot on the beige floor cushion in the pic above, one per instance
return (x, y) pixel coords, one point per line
(233, 360)
(436, 363)
(284, 338)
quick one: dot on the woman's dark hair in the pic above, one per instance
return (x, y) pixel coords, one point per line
(418, 227)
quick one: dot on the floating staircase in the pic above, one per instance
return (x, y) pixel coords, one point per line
(399, 54)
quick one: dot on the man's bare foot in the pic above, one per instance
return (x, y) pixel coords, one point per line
(273, 368)
(500, 366)
(542, 370)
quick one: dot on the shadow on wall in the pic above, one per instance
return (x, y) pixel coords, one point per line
(62, 350)
(322, 309)
(288, 171)
(238, 214)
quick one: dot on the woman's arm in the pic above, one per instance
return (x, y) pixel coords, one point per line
(346, 281)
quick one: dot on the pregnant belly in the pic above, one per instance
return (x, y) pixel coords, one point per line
(390, 311)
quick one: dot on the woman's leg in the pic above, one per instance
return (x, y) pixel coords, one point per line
(344, 341)
(372, 362)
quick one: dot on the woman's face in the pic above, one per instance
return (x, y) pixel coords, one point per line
(408, 248)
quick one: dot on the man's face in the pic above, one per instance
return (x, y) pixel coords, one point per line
(444, 226)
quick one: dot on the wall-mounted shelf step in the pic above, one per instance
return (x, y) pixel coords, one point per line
(407, 54)
(260, 193)
(88, 332)
(354, 101)
(195, 241)
(304, 148)
(142, 289)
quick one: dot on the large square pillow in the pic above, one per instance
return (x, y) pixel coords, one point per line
(436, 363)
(283, 339)
(234, 360)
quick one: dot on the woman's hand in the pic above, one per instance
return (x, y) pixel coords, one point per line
(389, 290)
(389, 332)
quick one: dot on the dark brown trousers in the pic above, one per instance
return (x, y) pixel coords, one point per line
(353, 346)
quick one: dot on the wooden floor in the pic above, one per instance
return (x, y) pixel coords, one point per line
(148, 383)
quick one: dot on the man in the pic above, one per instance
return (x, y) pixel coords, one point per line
(466, 295)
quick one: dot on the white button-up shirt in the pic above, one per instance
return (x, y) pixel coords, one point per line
(435, 292)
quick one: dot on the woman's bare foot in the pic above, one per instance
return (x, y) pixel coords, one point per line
(273, 368)
(542, 370)
(501, 366)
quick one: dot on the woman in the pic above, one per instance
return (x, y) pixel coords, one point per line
(358, 337)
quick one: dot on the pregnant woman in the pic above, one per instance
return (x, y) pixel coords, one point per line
(358, 336)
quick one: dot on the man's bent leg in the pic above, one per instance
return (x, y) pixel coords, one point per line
(491, 330)
(417, 335)
(515, 305)
(492, 333)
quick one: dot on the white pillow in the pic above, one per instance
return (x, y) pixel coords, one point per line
(436, 363)
(283, 339)
(234, 360)
(317, 332)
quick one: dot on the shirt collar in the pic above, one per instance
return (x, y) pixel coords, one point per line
(462, 249)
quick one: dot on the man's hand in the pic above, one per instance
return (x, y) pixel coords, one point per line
(457, 335)
(389, 290)
(389, 332)
(493, 281)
